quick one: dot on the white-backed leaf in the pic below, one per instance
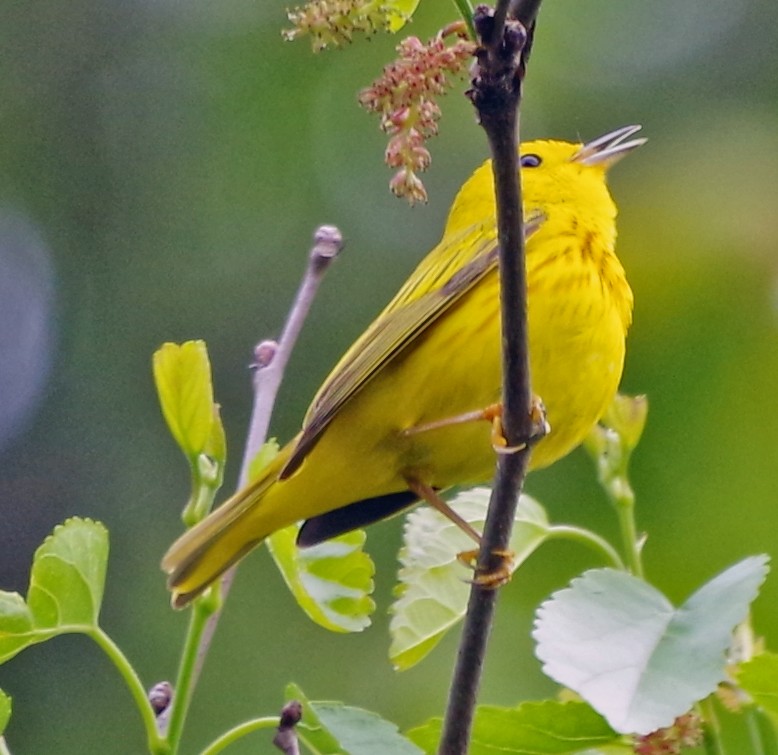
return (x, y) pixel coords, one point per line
(620, 644)
(433, 589)
(332, 582)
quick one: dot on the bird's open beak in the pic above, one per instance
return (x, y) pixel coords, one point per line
(608, 149)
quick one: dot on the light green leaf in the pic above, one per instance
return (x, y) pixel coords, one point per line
(15, 625)
(534, 728)
(216, 445)
(627, 416)
(262, 458)
(640, 662)
(182, 373)
(433, 585)
(400, 12)
(5, 710)
(331, 582)
(333, 728)
(759, 678)
(66, 588)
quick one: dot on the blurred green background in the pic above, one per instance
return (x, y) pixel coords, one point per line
(162, 167)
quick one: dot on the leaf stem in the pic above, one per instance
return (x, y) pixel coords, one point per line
(711, 729)
(241, 730)
(201, 611)
(624, 501)
(465, 9)
(4, 746)
(157, 745)
(760, 731)
(590, 539)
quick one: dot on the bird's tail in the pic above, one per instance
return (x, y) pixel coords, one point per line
(208, 549)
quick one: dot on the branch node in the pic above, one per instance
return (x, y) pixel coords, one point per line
(498, 72)
(264, 354)
(160, 696)
(327, 244)
(286, 736)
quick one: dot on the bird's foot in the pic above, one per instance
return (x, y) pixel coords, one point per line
(494, 578)
(539, 427)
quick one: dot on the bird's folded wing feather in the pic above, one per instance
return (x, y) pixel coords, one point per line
(451, 270)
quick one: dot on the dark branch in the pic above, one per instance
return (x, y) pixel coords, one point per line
(496, 93)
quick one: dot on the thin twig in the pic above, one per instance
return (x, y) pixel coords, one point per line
(270, 364)
(269, 371)
(496, 94)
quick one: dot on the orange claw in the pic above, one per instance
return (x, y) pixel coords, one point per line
(540, 426)
(493, 579)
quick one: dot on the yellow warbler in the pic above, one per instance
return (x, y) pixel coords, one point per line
(377, 430)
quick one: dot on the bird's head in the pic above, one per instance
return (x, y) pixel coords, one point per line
(557, 176)
(556, 173)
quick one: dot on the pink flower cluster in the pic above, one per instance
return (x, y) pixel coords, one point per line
(404, 97)
(685, 732)
(331, 23)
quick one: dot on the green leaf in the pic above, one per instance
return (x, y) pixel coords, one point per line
(15, 625)
(66, 588)
(263, 457)
(332, 728)
(637, 660)
(331, 582)
(534, 728)
(182, 373)
(759, 678)
(433, 585)
(627, 416)
(5, 710)
(216, 445)
(399, 12)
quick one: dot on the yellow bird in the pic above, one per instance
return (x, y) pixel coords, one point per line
(386, 428)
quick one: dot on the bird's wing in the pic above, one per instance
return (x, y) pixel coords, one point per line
(439, 281)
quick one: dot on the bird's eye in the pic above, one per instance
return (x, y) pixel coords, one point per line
(530, 161)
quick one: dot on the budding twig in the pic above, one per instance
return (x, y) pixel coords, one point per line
(160, 696)
(286, 735)
(271, 358)
(270, 362)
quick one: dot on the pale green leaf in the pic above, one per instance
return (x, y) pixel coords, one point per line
(68, 575)
(5, 710)
(15, 625)
(333, 728)
(66, 588)
(216, 445)
(310, 729)
(182, 373)
(433, 584)
(534, 728)
(640, 662)
(759, 678)
(627, 416)
(262, 458)
(331, 582)
(400, 12)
